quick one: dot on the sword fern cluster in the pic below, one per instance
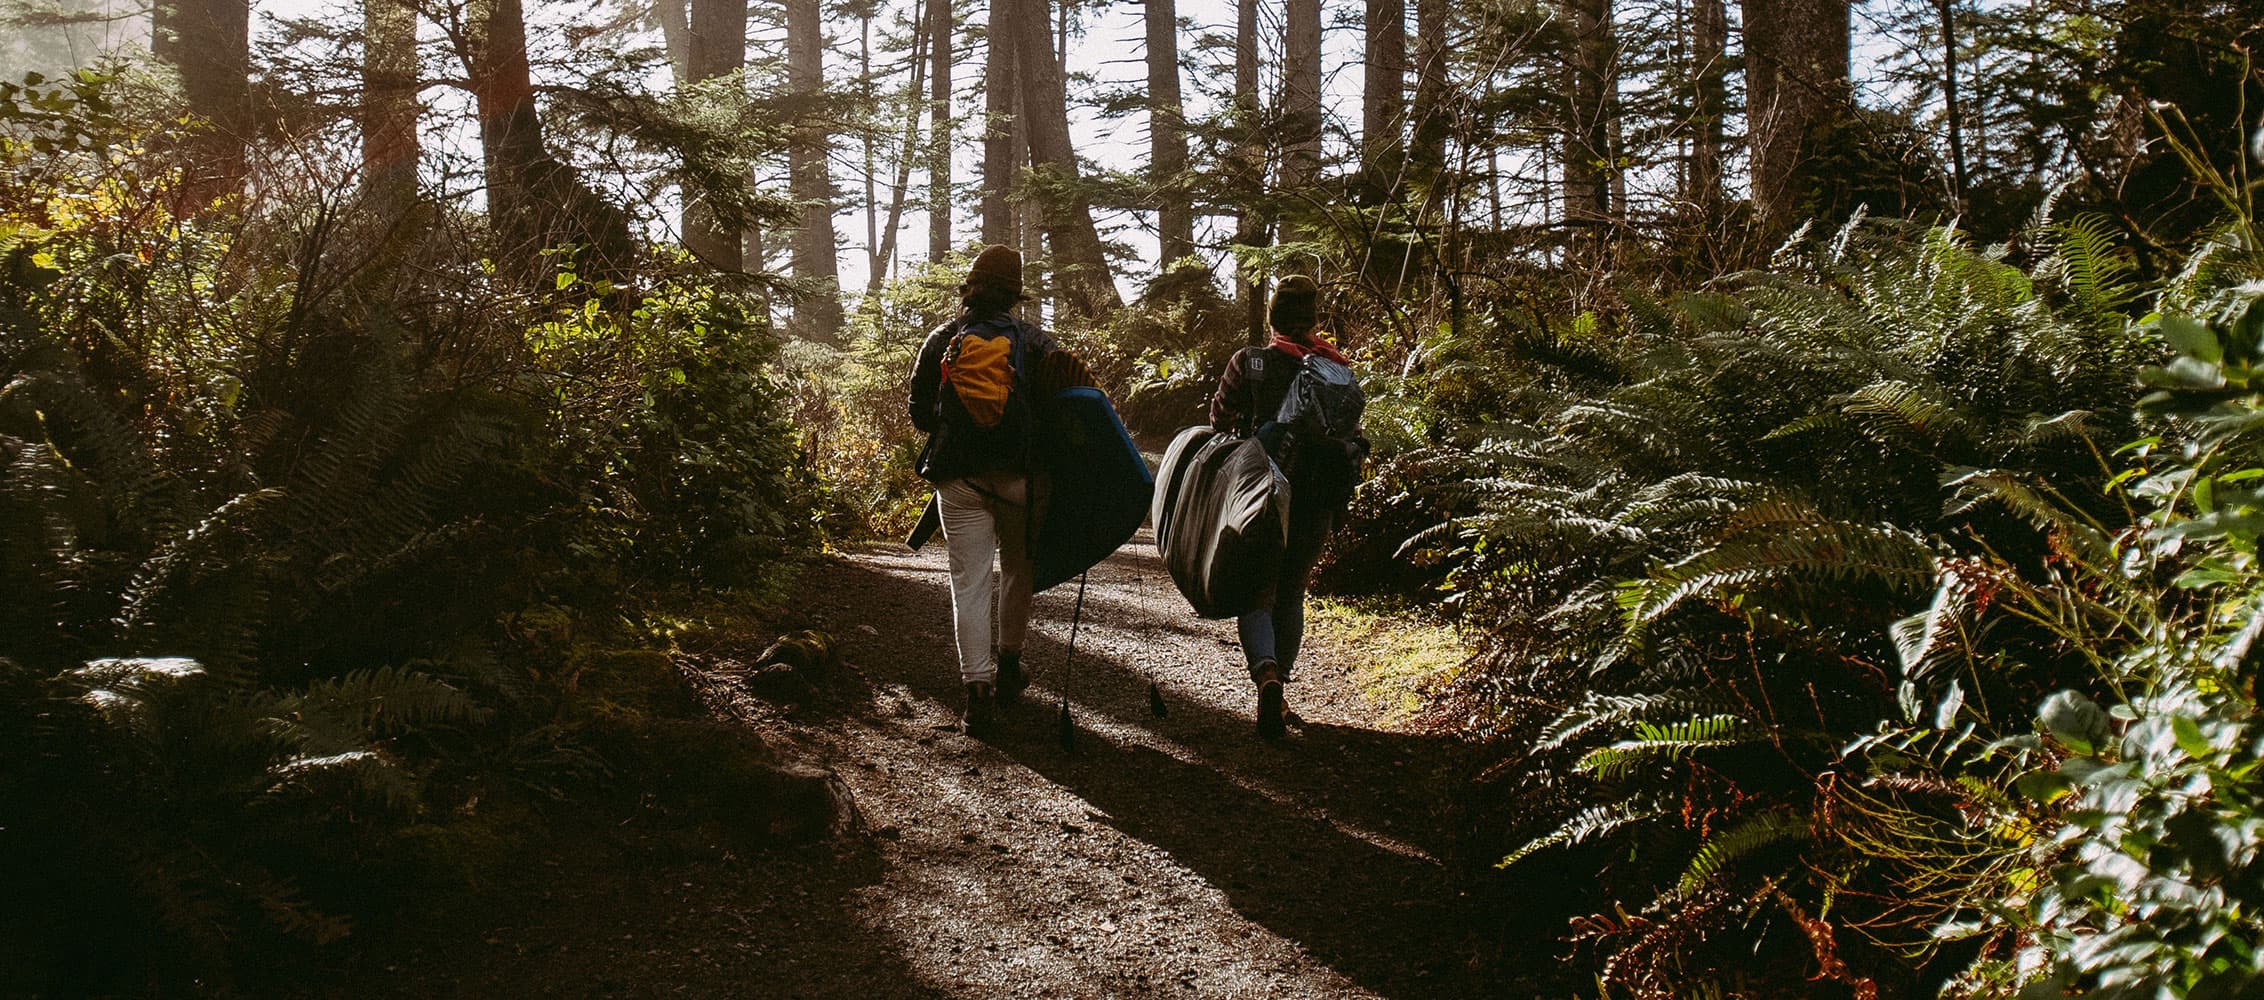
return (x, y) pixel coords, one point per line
(1684, 561)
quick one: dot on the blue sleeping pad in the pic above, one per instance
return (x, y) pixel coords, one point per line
(1101, 485)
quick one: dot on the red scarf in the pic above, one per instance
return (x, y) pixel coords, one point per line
(1299, 346)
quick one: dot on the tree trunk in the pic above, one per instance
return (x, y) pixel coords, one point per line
(809, 175)
(1002, 141)
(1431, 119)
(1082, 282)
(676, 34)
(716, 46)
(1301, 96)
(1167, 136)
(1590, 91)
(209, 42)
(1709, 42)
(389, 103)
(884, 257)
(1796, 80)
(874, 265)
(1953, 108)
(534, 202)
(939, 143)
(511, 142)
(1383, 100)
(1301, 114)
(1249, 170)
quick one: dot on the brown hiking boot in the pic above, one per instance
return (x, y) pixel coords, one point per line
(1011, 678)
(980, 719)
(1271, 704)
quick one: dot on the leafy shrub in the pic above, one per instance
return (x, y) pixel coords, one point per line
(304, 519)
(1684, 577)
(675, 409)
(851, 402)
(2093, 849)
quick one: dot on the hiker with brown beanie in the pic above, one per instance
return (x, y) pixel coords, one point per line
(1322, 470)
(974, 386)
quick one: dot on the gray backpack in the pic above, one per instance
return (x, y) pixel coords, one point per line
(1324, 401)
(1314, 436)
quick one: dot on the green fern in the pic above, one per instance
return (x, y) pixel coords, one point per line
(1749, 835)
(385, 699)
(1625, 712)
(1588, 824)
(1780, 541)
(2095, 269)
(1655, 744)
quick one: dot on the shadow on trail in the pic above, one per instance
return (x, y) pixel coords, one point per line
(1321, 839)
(691, 921)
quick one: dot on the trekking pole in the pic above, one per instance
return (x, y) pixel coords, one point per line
(1077, 617)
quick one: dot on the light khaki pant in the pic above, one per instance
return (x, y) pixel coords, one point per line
(987, 516)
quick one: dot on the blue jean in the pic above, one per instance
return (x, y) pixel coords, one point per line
(1274, 632)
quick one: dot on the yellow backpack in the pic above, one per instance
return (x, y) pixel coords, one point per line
(983, 403)
(979, 371)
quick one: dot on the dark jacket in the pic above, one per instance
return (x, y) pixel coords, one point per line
(1322, 473)
(946, 458)
(1241, 403)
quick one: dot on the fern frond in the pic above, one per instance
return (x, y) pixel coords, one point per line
(353, 775)
(1781, 541)
(1754, 833)
(1896, 411)
(2033, 502)
(1926, 641)
(2094, 267)
(1588, 824)
(1670, 742)
(1605, 711)
(384, 699)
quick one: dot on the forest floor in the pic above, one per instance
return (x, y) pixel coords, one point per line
(1167, 856)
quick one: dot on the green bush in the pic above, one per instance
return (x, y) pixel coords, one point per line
(2107, 844)
(1684, 562)
(305, 517)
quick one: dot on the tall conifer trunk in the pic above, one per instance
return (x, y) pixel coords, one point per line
(1383, 99)
(1248, 168)
(209, 42)
(389, 102)
(1003, 143)
(1082, 281)
(1709, 45)
(940, 130)
(1383, 140)
(810, 176)
(716, 47)
(1430, 114)
(511, 141)
(1590, 121)
(1796, 81)
(1167, 135)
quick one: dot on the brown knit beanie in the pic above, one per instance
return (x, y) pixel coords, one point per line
(997, 270)
(1296, 305)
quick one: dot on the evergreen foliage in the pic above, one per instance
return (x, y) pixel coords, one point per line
(1683, 558)
(290, 500)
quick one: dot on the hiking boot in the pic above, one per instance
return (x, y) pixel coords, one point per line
(980, 719)
(1271, 704)
(1011, 679)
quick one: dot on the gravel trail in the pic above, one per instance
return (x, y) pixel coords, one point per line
(1177, 856)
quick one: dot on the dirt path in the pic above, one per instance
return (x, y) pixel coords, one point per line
(1176, 856)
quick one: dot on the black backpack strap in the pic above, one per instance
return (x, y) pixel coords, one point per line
(1253, 377)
